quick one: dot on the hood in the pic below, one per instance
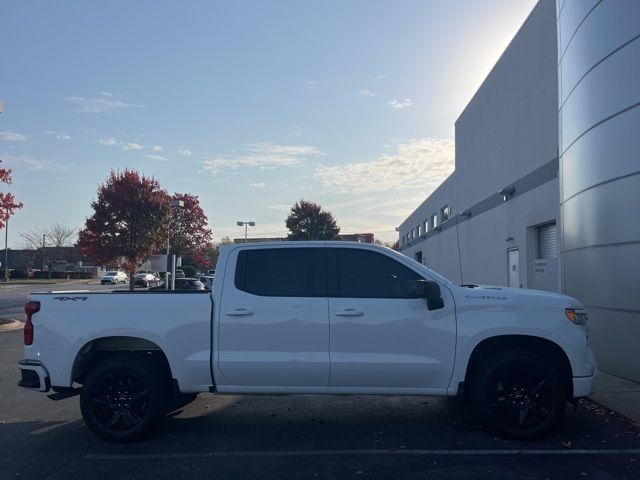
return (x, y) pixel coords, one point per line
(521, 296)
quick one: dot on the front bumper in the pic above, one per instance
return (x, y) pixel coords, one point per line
(34, 376)
(583, 385)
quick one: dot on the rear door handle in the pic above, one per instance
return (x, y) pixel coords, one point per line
(240, 312)
(348, 312)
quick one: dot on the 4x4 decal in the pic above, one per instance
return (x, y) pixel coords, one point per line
(64, 299)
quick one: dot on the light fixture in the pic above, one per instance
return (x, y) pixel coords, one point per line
(509, 239)
(466, 213)
(506, 192)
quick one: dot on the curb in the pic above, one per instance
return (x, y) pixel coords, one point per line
(8, 324)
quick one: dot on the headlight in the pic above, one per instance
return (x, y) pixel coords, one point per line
(579, 317)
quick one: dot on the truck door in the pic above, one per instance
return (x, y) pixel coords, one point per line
(382, 335)
(274, 322)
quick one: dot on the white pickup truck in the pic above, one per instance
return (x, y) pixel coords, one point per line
(310, 318)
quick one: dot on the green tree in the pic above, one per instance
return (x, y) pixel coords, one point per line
(307, 221)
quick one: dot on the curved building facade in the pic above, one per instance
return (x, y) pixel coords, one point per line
(599, 162)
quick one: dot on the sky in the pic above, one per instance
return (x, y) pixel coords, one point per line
(251, 105)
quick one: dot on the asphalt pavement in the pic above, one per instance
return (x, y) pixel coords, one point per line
(303, 437)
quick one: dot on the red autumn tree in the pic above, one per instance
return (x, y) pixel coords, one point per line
(129, 221)
(307, 221)
(189, 233)
(8, 204)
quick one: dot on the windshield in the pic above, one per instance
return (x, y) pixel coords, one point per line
(111, 274)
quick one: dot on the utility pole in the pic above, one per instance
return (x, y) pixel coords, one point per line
(43, 237)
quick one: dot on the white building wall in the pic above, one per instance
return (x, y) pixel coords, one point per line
(507, 135)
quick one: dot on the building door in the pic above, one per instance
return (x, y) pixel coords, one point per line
(514, 267)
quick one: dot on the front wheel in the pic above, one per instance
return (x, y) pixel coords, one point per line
(518, 394)
(123, 398)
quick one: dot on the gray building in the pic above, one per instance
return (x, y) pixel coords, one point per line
(547, 177)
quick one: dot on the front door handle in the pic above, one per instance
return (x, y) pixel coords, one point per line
(240, 312)
(348, 312)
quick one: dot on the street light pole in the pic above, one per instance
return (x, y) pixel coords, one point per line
(245, 225)
(6, 248)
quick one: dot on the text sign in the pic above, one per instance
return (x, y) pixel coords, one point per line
(158, 263)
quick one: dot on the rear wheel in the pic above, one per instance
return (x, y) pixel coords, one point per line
(519, 394)
(123, 398)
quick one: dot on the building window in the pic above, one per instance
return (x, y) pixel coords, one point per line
(446, 212)
(425, 226)
(434, 220)
(419, 230)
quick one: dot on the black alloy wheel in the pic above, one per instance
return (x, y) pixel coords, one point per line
(120, 400)
(520, 398)
(124, 397)
(519, 394)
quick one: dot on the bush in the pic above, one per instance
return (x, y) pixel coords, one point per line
(189, 271)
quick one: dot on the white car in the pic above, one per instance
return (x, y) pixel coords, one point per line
(311, 318)
(114, 278)
(207, 281)
(146, 279)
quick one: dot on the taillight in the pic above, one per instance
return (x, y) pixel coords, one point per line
(30, 308)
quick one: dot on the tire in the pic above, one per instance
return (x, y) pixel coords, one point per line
(124, 398)
(518, 394)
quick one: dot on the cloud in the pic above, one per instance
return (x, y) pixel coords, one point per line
(185, 151)
(13, 136)
(156, 148)
(257, 185)
(59, 135)
(367, 93)
(407, 102)
(262, 155)
(378, 77)
(33, 163)
(108, 141)
(418, 164)
(157, 157)
(131, 146)
(114, 142)
(104, 102)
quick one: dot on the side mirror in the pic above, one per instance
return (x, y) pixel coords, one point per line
(430, 291)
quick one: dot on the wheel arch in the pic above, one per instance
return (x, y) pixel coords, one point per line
(97, 350)
(537, 345)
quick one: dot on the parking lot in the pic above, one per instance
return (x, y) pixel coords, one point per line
(302, 437)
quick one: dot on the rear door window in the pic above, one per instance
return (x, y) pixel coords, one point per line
(282, 272)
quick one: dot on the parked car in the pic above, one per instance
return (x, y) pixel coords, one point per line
(183, 284)
(32, 271)
(180, 273)
(114, 278)
(146, 279)
(311, 318)
(207, 281)
(211, 273)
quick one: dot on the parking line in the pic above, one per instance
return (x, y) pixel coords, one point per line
(312, 453)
